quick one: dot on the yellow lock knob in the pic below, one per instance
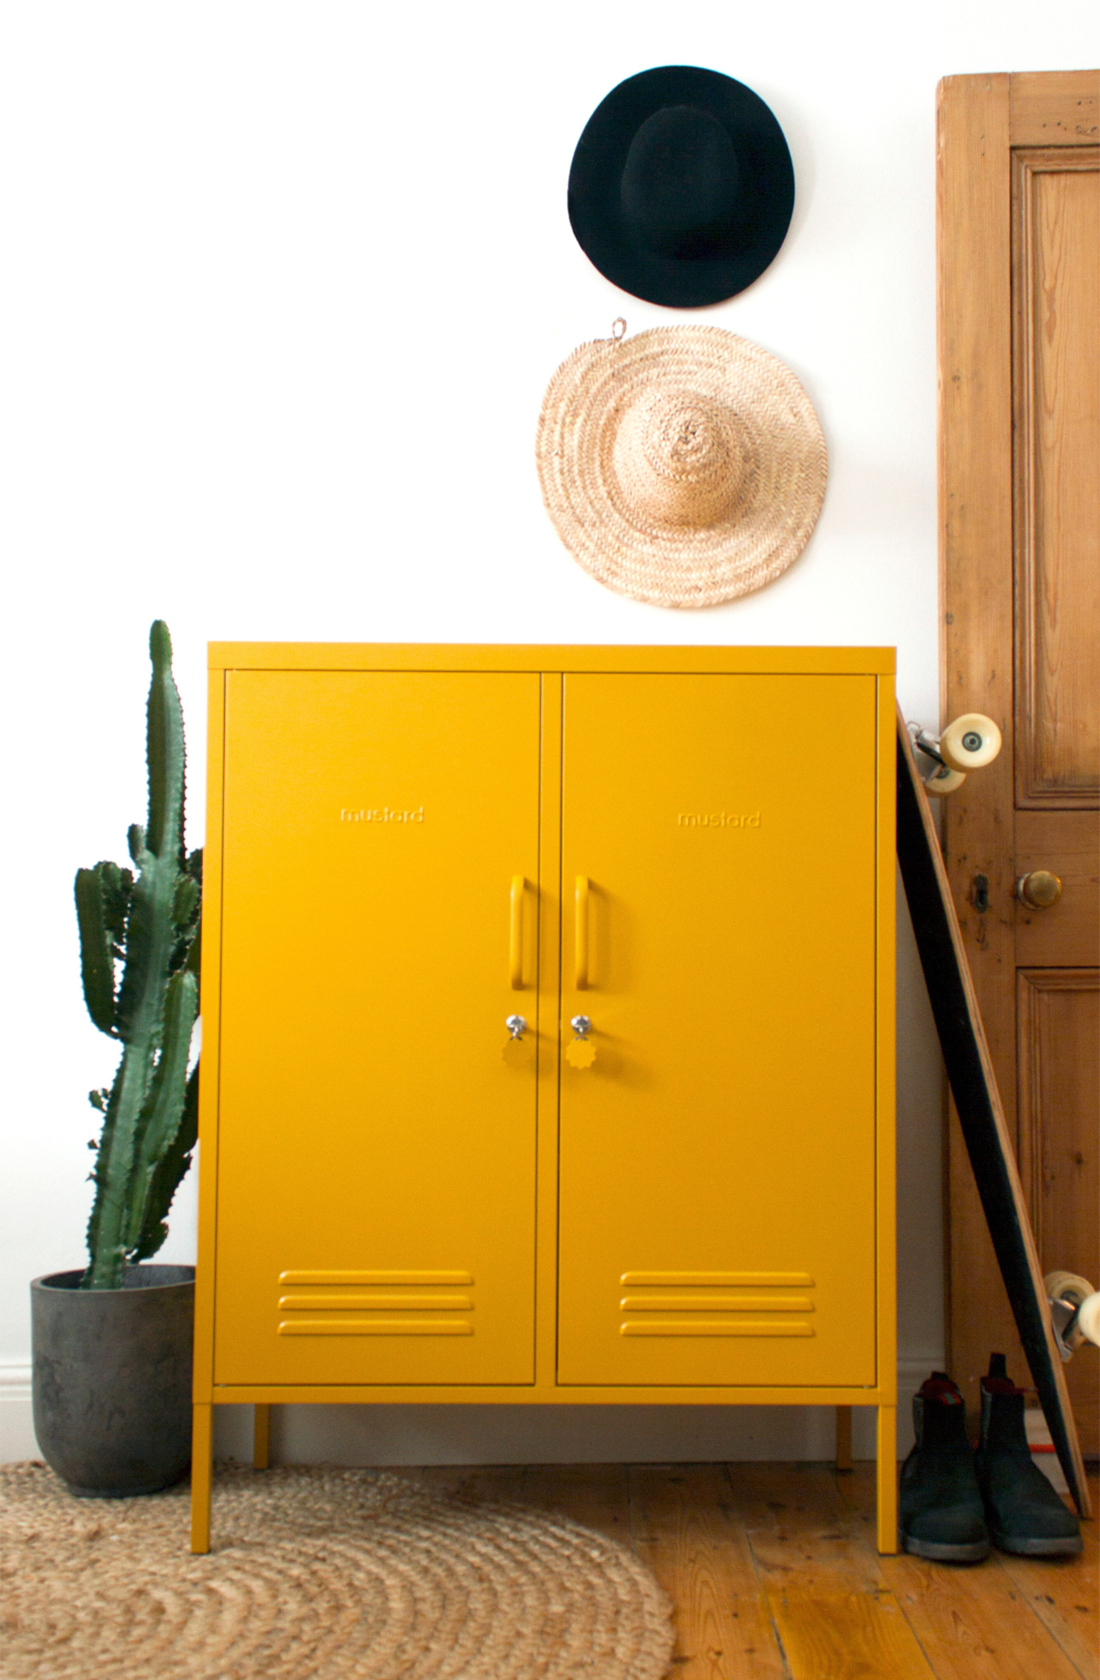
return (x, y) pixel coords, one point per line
(519, 1050)
(580, 1052)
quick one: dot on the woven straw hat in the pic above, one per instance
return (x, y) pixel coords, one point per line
(682, 467)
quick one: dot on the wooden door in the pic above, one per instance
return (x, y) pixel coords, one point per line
(717, 1177)
(1020, 504)
(376, 1156)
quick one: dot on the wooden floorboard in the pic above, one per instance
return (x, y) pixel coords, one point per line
(1064, 1598)
(685, 1528)
(835, 1615)
(773, 1574)
(593, 1494)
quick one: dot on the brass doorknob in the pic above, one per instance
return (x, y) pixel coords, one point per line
(1039, 890)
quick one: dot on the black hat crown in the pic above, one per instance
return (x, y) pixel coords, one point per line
(681, 189)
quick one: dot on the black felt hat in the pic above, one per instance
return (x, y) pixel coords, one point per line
(681, 188)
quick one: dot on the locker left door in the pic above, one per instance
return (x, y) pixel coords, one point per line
(376, 1155)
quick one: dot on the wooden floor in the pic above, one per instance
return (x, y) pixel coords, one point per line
(774, 1574)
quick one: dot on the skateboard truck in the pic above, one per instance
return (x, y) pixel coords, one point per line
(968, 743)
(1074, 1311)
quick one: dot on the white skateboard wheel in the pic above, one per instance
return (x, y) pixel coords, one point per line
(970, 742)
(943, 781)
(1067, 1286)
(1088, 1317)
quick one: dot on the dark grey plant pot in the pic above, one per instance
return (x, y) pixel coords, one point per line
(112, 1379)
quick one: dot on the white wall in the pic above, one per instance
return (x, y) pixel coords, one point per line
(282, 286)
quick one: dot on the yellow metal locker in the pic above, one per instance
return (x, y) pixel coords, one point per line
(673, 1182)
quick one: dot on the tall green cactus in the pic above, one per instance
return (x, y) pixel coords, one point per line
(149, 926)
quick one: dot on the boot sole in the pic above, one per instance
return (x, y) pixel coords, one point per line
(943, 1551)
(1066, 1545)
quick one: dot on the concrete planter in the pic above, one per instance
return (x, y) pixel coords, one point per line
(112, 1379)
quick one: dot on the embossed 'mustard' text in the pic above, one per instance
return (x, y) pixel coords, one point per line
(383, 814)
(718, 819)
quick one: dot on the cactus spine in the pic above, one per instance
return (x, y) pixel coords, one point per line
(150, 927)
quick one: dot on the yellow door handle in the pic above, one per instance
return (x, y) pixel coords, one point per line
(515, 933)
(581, 939)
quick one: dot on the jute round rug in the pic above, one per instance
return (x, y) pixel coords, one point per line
(317, 1574)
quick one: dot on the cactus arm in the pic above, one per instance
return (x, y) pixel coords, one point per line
(164, 749)
(116, 886)
(194, 928)
(168, 1174)
(186, 901)
(185, 916)
(194, 955)
(151, 926)
(163, 1109)
(97, 962)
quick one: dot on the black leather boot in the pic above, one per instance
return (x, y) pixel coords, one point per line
(941, 1503)
(1024, 1513)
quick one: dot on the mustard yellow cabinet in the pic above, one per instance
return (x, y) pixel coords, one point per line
(548, 1049)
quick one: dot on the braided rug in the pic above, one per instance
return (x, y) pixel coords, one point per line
(317, 1574)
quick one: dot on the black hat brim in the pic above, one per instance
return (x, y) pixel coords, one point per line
(595, 203)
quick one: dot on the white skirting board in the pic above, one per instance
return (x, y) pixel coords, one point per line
(17, 1440)
(520, 1434)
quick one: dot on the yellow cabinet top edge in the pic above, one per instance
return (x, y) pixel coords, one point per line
(493, 656)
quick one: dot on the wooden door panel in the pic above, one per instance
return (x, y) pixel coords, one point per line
(376, 1156)
(1056, 265)
(1068, 933)
(717, 1161)
(1059, 1142)
(1019, 329)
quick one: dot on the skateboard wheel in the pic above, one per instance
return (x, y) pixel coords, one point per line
(970, 742)
(1067, 1286)
(1088, 1318)
(943, 781)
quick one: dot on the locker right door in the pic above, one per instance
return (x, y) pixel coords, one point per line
(717, 1215)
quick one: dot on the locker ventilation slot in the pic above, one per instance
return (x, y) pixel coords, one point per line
(716, 1304)
(375, 1303)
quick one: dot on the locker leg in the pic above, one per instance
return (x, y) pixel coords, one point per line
(887, 1450)
(844, 1437)
(261, 1437)
(202, 1470)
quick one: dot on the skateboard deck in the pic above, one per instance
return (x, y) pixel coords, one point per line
(977, 1100)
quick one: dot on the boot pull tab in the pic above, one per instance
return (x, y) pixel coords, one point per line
(997, 1379)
